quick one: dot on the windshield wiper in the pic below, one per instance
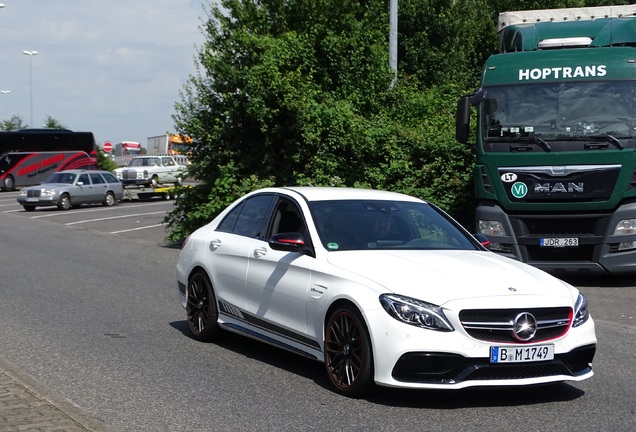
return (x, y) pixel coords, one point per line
(525, 147)
(607, 138)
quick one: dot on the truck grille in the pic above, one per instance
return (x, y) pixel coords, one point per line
(588, 228)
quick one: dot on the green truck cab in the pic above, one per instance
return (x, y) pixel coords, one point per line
(555, 172)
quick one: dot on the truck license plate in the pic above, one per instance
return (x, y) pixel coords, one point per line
(521, 354)
(559, 242)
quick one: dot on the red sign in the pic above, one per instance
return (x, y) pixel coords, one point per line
(108, 147)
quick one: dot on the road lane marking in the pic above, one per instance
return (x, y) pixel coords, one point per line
(135, 229)
(113, 217)
(74, 212)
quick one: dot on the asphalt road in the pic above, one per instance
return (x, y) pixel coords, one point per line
(89, 308)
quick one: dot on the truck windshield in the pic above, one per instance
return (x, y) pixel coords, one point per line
(559, 111)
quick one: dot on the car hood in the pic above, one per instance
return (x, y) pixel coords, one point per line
(47, 186)
(442, 276)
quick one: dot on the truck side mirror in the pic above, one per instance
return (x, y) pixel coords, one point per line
(462, 120)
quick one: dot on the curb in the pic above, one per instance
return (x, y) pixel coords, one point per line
(24, 394)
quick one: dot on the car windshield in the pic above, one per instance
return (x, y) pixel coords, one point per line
(361, 225)
(145, 162)
(556, 111)
(61, 177)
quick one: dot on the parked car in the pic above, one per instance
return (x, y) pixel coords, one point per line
(72, 188)
(151, 171)
(382, 288)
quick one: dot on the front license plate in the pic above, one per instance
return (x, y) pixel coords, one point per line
(32, 199)
(560, 242)
(521, 354)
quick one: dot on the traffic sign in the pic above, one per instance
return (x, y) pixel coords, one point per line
(108, 147)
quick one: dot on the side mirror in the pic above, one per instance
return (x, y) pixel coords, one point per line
(483, 240)
(462, 120)
(291, 242)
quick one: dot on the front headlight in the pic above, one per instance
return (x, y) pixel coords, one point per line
(492, 228)
(47, 192)
(625, 227)
(415, 312)
(581, 313)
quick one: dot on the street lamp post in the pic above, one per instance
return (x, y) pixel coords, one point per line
(30, 54)
(6, 96)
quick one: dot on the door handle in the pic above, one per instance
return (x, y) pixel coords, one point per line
(259, 252)
(215, 244)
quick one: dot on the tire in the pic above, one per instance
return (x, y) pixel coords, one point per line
(29, 208)
(179, 181)
(109, 199)
(65, 202)
(9, 184)
(154, 181)
(348, 354)
(201, 308)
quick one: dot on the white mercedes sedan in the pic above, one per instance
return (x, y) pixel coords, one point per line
(384, 289)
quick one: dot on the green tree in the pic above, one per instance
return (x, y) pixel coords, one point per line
(297, 92)
(15, 122)
(104, 161)
(53, 124)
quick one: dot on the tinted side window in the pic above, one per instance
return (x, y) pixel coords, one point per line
(84, 178)
(110, 178)
(248, 219)
(227, 224)
(96, 178)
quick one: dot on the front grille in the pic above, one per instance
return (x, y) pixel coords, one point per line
(33, 193)
(589, 229)
(496, 325)
(446, 368)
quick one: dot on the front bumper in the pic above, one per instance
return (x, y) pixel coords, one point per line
(39, 201)
(597, 253)
(454, 369)
(410, 357)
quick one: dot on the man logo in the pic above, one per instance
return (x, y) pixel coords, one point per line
(519, 190)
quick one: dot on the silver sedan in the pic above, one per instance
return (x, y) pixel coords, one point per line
(72, 188)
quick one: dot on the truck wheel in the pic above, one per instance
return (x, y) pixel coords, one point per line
(64, 203)
(9, 184)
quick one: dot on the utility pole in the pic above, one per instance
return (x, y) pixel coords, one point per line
(393, 18)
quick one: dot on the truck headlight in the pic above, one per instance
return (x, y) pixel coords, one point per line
(626, 227)
(494, 228)
(415, 312)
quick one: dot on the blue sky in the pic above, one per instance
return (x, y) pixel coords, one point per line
(112, 67)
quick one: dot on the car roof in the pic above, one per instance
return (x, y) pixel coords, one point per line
(310, 193)
(80, 171)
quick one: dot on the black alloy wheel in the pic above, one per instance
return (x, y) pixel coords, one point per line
(202, 309)
(348, 356)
